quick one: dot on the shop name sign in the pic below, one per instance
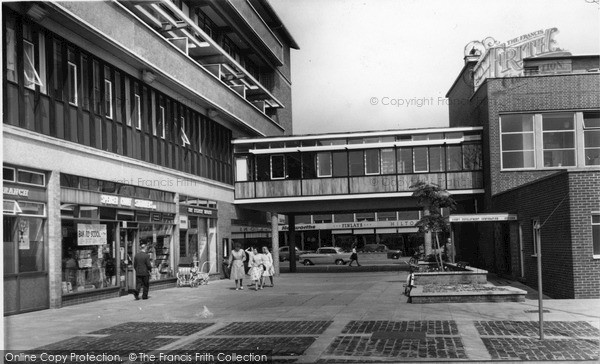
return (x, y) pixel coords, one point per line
(482, 217)
(15, 191)
(351, 225)
(91, 234)
(126, 202)
(499, 60)
(199, 211)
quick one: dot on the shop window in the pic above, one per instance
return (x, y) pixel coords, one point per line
(10, 207)
(591, 135)
(405, 160)
(89, 212)
(68, 210)
(339, 161)
(517, 141)
(372, 160)
(472, 157)
(436, 159)
(263, 168)
(420, 159)
(32, 208)
(388, 161)
(454, 158)
(277, 167)
(596, 233)
(356, 161)
(8, 174)
(558, 139)
(10, 50)
(29, 236)
(324, 164)
(31, 178)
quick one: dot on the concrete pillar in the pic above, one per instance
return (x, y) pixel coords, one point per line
(292, 241)
(54, 241)
(275, 241)
(302, 240)
(427, 237)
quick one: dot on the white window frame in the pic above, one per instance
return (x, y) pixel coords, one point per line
(378, 162)
(535, 153)
(544, 132)
(271, 166)
(137, 100)
(33, 203)
(584, 129)
(108, 86)
(596, 255)
(393, 154)
(184, 138)
(415, 159)
(15, 210)
(72, 72)
(14, 174)
(319, 165)
(27, 61)
(33, 172)
(162, 118)
(41, 75)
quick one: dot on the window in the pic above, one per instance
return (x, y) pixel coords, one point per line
(161, 121)
(108, 109)
(324, 164)
(31, 178)
(8, 174)
(42, 63)
(436, 159)
(591, 136)
(454, 158)
(97, 93)
(11, 50)
(558, 139)
(420, 159)
(372, 161)
(137, 111)
(340, 164)
(535, 225)
(31, 76)
(277, 167)
(72, 81)
(388, 161)
(472, 157)
(517, 141)
(357, 162)
(405, 160)
(596, 232)
(85, 83)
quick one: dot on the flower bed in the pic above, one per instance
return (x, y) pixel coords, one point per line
(438, 288)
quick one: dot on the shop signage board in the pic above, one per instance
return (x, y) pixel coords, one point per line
(12, 191)
(112, 200)
(91, 234)
(199, 211)
(352, 225)
(482, 217)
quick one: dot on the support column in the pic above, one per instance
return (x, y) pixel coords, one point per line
(54, 241)
(275, 241)
(292, 241)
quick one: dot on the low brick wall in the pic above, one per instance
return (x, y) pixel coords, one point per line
(467, 275)
(415, 297)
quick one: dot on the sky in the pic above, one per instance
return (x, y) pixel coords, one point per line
(388, 64)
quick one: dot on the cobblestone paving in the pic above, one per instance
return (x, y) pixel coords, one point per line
(430, 327)
(275, 345)
(155, 328)
(430, 348)
(531, 328)
(275, 328)
(548, 349)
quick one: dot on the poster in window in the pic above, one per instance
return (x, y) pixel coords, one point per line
(91, 234)
(23, 234)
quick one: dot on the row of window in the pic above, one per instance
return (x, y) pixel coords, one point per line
(404, 160)
(359, 216)
(23, 176)
(565, 139)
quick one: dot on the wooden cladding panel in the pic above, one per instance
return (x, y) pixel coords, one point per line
(322, 186)
(373, 184)
(244, 190)
(278, 188)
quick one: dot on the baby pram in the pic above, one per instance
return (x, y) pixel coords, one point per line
(192, 276)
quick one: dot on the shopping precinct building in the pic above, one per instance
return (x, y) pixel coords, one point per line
(521, 156)
(117, 128)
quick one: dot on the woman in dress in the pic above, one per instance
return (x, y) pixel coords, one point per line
(256, 267)
(236, 262)
(354, 256)
(268, 263)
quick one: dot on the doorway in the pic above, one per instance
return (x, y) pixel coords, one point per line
(129, 246)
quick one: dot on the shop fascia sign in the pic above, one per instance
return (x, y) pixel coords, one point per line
(498, 60)
(482, 217)
(13, 191)
(200, 211)
(351, 225)
(126, 202)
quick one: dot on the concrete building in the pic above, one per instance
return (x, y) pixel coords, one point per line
(117, 128)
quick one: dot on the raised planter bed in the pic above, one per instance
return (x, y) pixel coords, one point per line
(454, 275)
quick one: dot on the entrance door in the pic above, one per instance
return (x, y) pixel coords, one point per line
(129, 247)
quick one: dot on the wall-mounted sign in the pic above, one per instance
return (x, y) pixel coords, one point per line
(112, 200)
(497, 60)
(201, 211)
(91, 234)
(12, 191)
(144, 204)
(352, 225)
(183, 222)
(482, 217)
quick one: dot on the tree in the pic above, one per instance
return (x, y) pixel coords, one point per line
(433, 198)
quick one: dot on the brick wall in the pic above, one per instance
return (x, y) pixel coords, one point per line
(584, 190)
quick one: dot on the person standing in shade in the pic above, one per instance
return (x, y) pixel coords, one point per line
(143, 267)
(236, 264)
(354, 256)
(268, 264)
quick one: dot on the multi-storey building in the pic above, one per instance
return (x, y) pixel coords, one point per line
(541, 143)
(117, 128)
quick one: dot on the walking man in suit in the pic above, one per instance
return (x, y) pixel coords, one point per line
(143, 267)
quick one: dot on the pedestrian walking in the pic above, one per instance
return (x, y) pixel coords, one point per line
(354, 256)
(268, 264)
(236, 264)
(143, 267)
(256, 267)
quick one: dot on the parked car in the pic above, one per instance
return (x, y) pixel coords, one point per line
(372, 248)
(284, 253)
(394, 254)
(326, 255)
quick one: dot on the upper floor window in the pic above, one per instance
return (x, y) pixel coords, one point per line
(161, 121)
(277, 166)
(421, 163)
(388, 161)
(32, 77)
(372, 161)
(10, 49)
(558, 139)
(324, 164)
(596, 232)
(591, 135)
(108, 94)
(72, 82)
(517, 141)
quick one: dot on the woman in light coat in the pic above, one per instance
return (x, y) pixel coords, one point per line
(269, 269)
(236, 263)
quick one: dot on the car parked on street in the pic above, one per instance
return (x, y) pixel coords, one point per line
(326, 255)
(284, 253)
(374, 248)
(394, 254)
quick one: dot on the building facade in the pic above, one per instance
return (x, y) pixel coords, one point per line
(541, 138)
(117, 128)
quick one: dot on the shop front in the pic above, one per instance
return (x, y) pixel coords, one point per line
(197, 234)
(103, 224)
(26, 284)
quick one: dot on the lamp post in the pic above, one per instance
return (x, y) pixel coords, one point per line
(538, 243)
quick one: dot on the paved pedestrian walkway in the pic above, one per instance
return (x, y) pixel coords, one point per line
(315, 318)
